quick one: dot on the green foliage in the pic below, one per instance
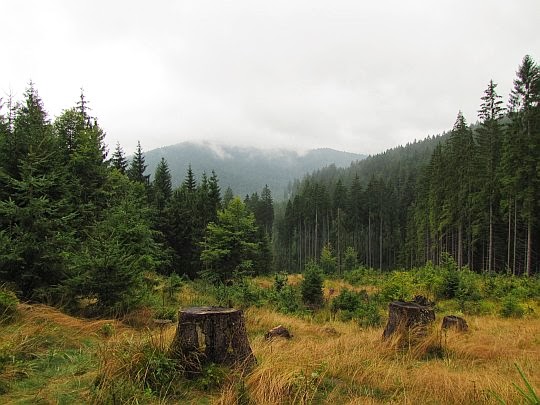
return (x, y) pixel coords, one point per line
(357, 305)
(511, 308)
(280, 281)
(212, 376)
(110, 264)
(8, 305)
(450, 285)
(288, 300)
(230, 245)
(347, 300)
(350, 261)
(312, 286)
(362, 276)
(399, 286)
(328, 261)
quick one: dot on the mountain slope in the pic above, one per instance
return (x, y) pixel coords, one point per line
(246, 170)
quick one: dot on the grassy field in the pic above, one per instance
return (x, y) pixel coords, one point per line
(52, 358)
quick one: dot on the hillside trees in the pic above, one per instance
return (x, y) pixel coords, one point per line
(230, 245)
(472, 193)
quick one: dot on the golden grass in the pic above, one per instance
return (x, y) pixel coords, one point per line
(353, 365)
(329, 363)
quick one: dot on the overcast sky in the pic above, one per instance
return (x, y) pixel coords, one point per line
(360, 76)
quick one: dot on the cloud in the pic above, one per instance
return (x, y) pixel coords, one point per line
(357, 76)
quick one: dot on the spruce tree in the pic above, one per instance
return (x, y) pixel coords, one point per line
(488, 138)
(138, 167)
(118, 159)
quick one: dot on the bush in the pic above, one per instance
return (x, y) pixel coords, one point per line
(8, 305)
(400, 286)
(511, 308)
(328, 260)
(312, 286)
(357, 305)
(361, 276)
(287, 300)
(368, 314)
(350, 261)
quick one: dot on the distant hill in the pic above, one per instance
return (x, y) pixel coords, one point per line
(246, 170)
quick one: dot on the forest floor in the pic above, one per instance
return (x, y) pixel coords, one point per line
(48, 357)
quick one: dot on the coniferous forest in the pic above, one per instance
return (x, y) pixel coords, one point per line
(472, 193)
(75, 223)
(97, 257)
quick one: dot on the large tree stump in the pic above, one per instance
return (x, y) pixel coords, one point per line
(212, 335)
(404, 317)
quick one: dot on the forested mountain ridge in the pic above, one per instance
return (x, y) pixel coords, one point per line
(246, 170)
(472, 193)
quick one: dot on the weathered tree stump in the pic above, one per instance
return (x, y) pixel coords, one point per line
(454, 322)
(212, 335)
(407, 317)
(278, 331)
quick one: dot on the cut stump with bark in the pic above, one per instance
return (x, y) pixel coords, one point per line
(212, 335)
(406, 317)
(454, 322)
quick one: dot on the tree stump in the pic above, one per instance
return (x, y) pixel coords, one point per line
(278, 331)
(408, 316)
(212, 335)
(454, 322)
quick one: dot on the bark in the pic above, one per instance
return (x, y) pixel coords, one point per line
(212, 335)
(406, 317)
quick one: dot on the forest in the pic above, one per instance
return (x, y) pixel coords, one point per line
(93, 250)
(472, 193)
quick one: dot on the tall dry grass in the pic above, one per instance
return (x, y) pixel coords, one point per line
(342, 363)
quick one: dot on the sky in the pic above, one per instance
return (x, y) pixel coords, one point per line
(359, 76)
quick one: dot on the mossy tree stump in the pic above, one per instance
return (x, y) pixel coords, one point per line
(405, 317)
(212, 335)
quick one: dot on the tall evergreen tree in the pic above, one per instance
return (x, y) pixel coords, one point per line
(523, 145)
(118, 160)
(162, 184)
(489, 137)
(138, 167)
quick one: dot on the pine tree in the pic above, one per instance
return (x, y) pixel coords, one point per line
(138, 167)
(231, 244)
(162, 185)
(118, 160)
(488, 137)
(34, 216)
(522, 146)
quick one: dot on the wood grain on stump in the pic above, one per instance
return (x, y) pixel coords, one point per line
(408, 316)
(212, 335)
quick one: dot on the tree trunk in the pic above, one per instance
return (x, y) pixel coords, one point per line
(212, 335)
(529, 248)
(405, 317)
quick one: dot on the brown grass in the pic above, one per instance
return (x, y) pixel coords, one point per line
(332, 362)
(355, 366)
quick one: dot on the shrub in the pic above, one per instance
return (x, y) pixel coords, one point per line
(400, 286)
(511, 308)
(280, 281)
(350, 261)
(8, 305)
(328, 260)
(312, 286)
(287, 300)
(368, 314)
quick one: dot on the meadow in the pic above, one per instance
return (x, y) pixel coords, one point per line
(336, 355)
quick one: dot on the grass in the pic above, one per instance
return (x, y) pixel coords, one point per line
(50, 357)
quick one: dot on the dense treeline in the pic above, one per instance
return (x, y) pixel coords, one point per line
(472, 193)
(75, 225)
